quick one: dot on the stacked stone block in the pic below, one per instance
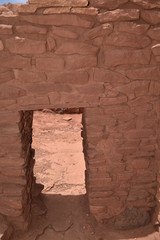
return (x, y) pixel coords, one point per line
(16, 166)
(102, 56)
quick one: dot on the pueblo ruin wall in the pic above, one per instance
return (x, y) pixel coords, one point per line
(104, 57)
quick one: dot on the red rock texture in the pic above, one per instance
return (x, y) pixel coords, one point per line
(102, 56)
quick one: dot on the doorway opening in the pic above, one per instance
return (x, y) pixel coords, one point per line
(59, 159)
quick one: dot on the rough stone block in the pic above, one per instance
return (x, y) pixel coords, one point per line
(154, 33)
(112, 101)
(56, 10)
(147, 4)
(134, 87)
(5, 29)
(58, 20)
(78, 61)
(25, 46)
(68, 48)
(108, 76)
(156, 49)
(127, 40)
(62, 3)
(131, 27)
(6, 230)
(64, 32)
(1, 45)
(109, 4)
(11, 206)
(154, 89)
(102, 30)
(119, 15)
(132, 218)
(29, 77)
(85, 11)
(91, 89)
(27, 8)
(144, 73)
(51, 43)
(115, 57)
(144, 133)
(140, 163)
(33, 102)
(15, 61)
(5, 76)
(11, 92)
(79, 77)
(50, 63)
(151, 17)
(28, 29)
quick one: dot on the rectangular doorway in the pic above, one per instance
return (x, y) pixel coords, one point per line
(59, 158)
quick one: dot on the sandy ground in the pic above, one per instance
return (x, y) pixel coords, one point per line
(60, 167)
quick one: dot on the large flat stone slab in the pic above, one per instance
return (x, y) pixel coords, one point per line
(62, 3)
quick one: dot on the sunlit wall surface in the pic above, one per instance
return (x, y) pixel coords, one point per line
(12, 1)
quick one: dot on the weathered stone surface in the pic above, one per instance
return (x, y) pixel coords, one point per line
(104, 29)
(4, 10)
(91, 89)
(11, 92)
(56, 10)
(110, 4)
(115, 57)
(152, 17)
(116, 82)
(147, 4)
(127, 40)
(68, 48)
(7, 104)
(14, 61)
(63, 3)
(58, 20)
(5, 76)
(137, 88)
(44, 89)
(25, 8)
(25, 46)
(154, 33)
(51, 43)
(144, 73)
(78, 61)
(1, 45)
(5, 29)
(33, 102)
(132, 218)
(74, 77)
(50, 63)
(85, 11)
(131, 27)
(154, 90)
(119, 15)
(5, 229)
(141, 163)
(111, 101)
(29, 77)
(63, 32)
(31, 29)
(108, 76)
(156, 49)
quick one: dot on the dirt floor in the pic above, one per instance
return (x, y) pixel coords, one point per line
(63, 213)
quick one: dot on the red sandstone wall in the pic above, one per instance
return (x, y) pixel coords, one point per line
(103, 56)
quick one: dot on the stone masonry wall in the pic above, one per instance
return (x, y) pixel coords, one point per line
(102, 56)
(16, 165)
